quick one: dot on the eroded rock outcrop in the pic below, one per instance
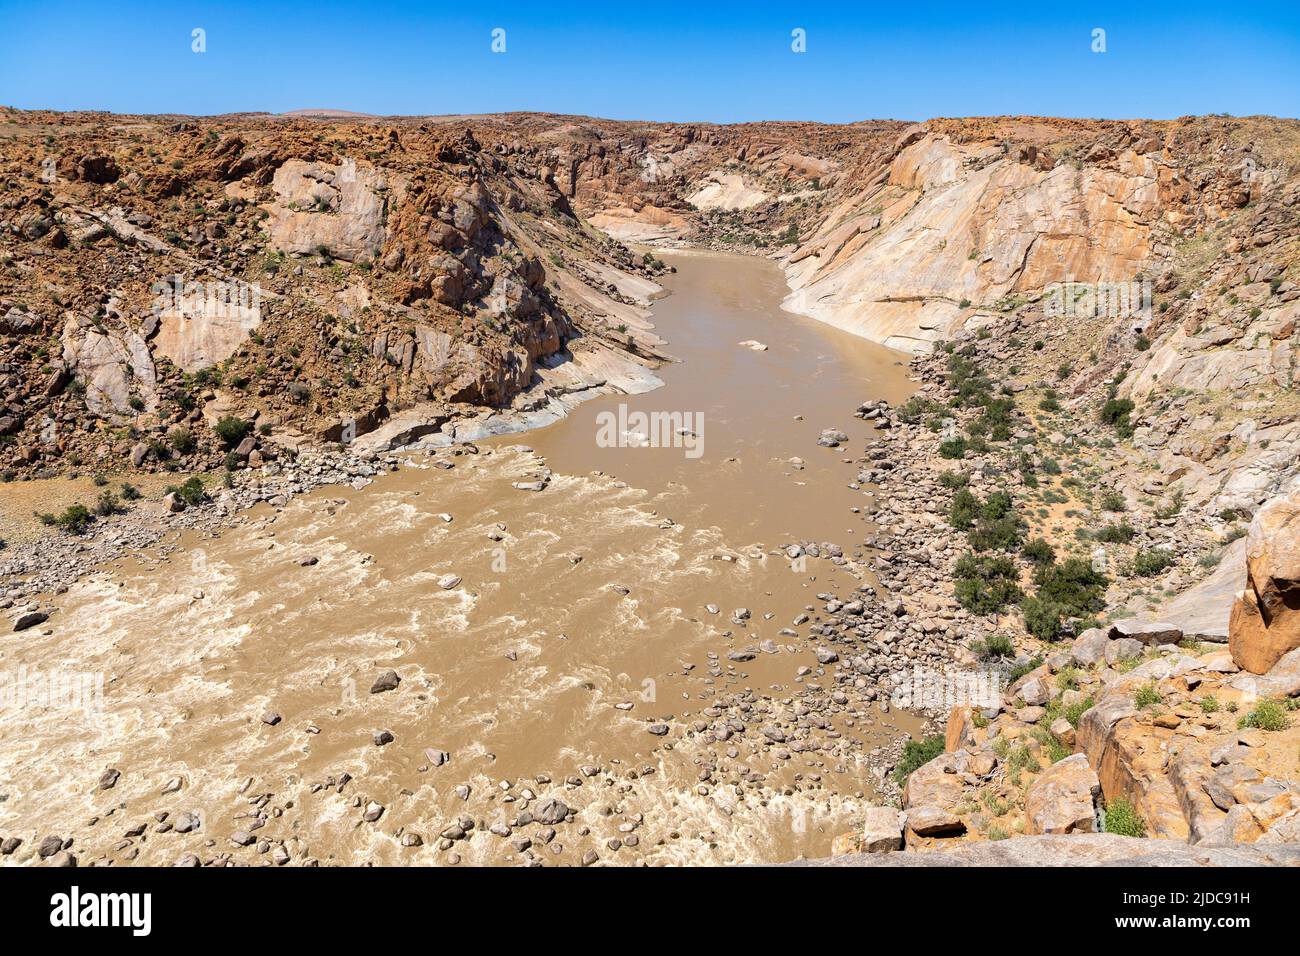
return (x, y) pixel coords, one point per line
(1265, 622)
(956, 227)
(341, 208)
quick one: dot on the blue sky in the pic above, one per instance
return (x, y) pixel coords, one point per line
(723, 62)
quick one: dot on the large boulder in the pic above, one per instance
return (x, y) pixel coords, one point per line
(1265, 621)
(932, 793)
(882, 830)
(1148, 632)
(1090, 647)
(1063, 799)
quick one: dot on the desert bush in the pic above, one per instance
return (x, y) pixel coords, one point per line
(231, 430)
(191, 492)
(1121, 817)
(986, 585)
(1269, 714)
(917, 753)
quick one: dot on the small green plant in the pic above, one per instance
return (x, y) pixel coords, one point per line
(954, 480)
(1074, 712)
(993, 647)
(963, 510)
(231, 430)
(917, 753)
(191, 492)
(1113, 501)
(1042, 617)
(999, 534)
(1149, 563)
(1020, 670)
(986, 584)
(953, 448)
(1209, 704)
(1147, 696)
(74, 520)
(1116, 413)
(182, 439)
(1269, 714)
(1038, 551)
(1122, 818)
(1119, 533)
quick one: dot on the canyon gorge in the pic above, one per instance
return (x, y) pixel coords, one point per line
(299, 439)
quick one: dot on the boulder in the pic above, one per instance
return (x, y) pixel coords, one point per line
(1150, 633)
(1123, 649)
(30, 619)
(931, 821)
(931, 793)
(1063, 798)
(882, 830)
(1035, 692)
(1090, 647)
(1265, 621)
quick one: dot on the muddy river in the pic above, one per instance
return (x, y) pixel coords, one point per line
(541, 638)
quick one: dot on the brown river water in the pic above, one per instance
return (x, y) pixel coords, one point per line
(581, 617)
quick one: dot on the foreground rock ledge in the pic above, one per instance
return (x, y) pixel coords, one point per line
(1085, 849)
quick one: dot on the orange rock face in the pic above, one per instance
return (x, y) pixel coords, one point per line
(1265, 621)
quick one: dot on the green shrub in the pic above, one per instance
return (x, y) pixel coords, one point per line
(1269, 714)
(74, 520)
(1149, 563)
(231, 430)
(917, 408)
(1052, 746)
(1209, 704)
(1038, 551)
(1074, 712)
(108, 504)
(1113, 501)
(1042, 618)
(997, 505)
(182, 439)
(1002, 534)
(953, 448)
(1074, 585)
(986, 584)
(1119, 533)
(191, 492)
(963, 510)
(1122, 818)
(130, 492)
(971, 385)
(1020, 670)
(994, 647)
(1148, 695)
(917, 753)
(1116, 413)
(954, 479)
